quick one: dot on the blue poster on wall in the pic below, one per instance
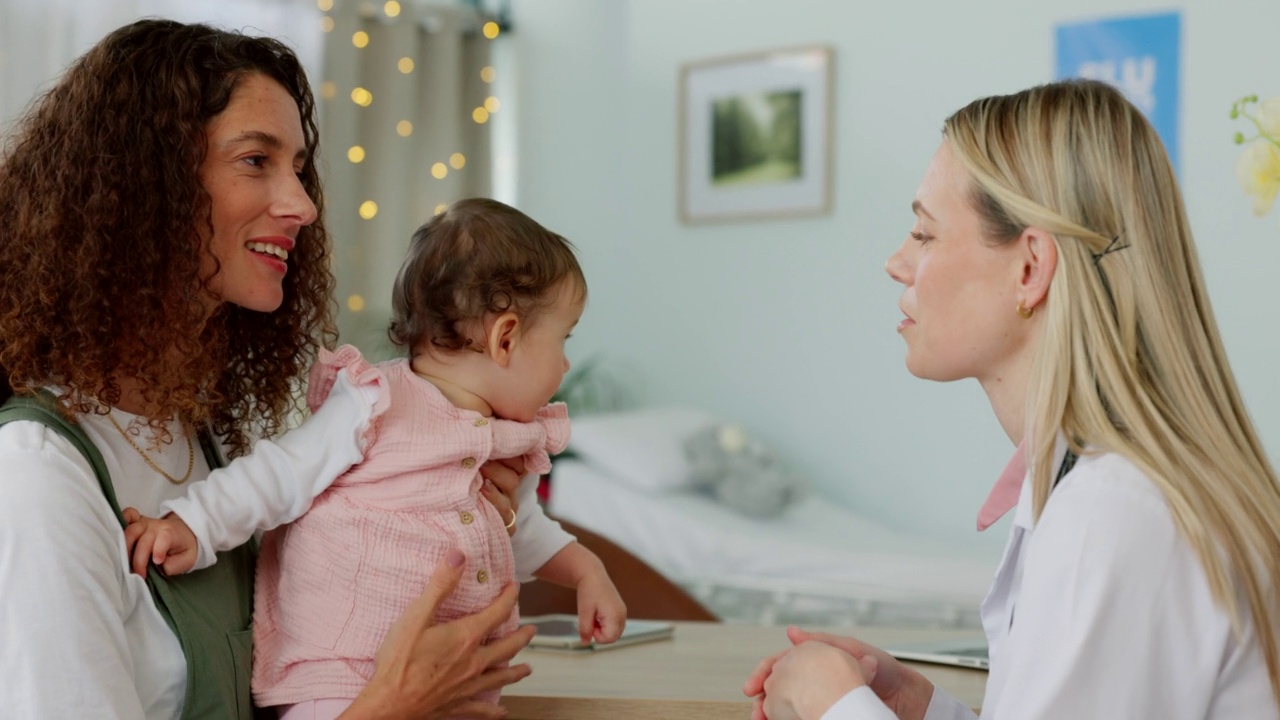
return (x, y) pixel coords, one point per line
(1138, 55)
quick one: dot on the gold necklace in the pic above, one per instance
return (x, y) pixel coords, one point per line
(191, 453)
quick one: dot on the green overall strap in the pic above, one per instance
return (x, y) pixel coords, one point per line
(208, 610)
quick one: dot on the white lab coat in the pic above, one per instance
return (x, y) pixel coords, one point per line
(1102, 610)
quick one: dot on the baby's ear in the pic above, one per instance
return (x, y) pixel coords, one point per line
(504, 333)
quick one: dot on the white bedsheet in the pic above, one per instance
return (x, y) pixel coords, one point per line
(815, 549)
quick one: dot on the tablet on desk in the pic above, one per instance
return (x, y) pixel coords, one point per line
(560, 632)
(970, 653)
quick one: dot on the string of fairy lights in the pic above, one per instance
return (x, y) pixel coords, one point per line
(363, 97)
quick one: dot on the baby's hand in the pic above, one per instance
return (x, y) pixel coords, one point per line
(166, 541)
(601, 612)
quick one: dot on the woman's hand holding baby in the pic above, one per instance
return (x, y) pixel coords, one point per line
(429, 670)
(166, 541)
(502, 482)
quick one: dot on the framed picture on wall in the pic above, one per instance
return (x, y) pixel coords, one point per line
(756, 135)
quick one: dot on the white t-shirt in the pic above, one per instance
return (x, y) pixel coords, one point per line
(80, 635)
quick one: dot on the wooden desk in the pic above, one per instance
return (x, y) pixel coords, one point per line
(697, 675)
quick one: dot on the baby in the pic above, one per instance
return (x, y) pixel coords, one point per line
(484, 303)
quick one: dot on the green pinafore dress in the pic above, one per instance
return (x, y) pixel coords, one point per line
(208, 610)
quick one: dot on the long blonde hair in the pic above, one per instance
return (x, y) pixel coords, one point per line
(1130, 360)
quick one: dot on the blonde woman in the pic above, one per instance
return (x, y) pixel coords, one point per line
(1052, 260)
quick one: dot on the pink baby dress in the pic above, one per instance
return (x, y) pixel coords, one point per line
(331, 583)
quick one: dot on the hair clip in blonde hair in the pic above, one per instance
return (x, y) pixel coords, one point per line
(1097, 260)
(1111, 247)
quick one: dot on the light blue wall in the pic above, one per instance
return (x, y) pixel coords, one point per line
(788, 326)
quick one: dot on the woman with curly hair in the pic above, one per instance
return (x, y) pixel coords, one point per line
(166, 282)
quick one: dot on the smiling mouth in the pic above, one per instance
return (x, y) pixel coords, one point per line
(268, 249)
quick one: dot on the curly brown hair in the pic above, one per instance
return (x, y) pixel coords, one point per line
(101, 220)
(477, 257)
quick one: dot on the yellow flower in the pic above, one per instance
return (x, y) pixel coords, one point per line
(1269, 117)
(1259, 173)
(1258, 168)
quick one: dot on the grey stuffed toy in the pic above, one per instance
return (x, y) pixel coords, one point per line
(741, 473)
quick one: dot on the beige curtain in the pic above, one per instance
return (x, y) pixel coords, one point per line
(404, 130)
(40, 38)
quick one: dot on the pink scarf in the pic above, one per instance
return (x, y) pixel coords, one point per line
(1004, 494)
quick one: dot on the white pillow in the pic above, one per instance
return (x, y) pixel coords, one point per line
(644, 448)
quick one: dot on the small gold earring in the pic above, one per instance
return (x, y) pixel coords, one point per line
(1025, 312)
